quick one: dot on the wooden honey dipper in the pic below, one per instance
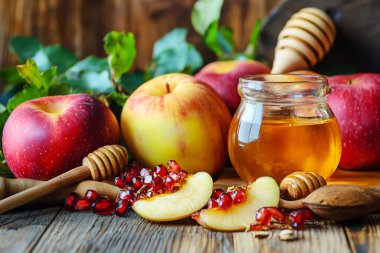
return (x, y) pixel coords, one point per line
(305, 39)
(335, 202)
(103, 163)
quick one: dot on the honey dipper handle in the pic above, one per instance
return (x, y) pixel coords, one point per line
(73, 176)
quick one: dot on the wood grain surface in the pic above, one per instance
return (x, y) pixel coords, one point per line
(44, 231)
(58, 230)
(80, 25)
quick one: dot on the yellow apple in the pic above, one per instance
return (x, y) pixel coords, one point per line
(177, 117)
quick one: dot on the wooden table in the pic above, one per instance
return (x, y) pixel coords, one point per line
(58, 230)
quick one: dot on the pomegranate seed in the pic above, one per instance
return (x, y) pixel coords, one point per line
(175, 189)
(128, 177)
(216, 193)
(158, 184)
(309, 216)
(82, 205)
(212, 203)
(145, 172)
(182, 176)
(131, 201)
(174, 176)
(70, 201)
(121, 208)
(126, 194)
(119, 182)
(277, 214)
(91, 195)
(256, 227)
(224, 200)
(169, 183)
(161, 170)
(173, 166)
(104, 206)
(263, 216)
(148, 180)
(297, 219)
(239, 196)
(136, 182)
(149, 194)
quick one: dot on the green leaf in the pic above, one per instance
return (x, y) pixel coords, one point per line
(59, 89)
(220, 41)
(24, 47)
(90, 63)
(25, 95)
(97, 83)
(34, 77)
(255, 35)
(121, 51)
(118, 98)
(131, 81)
(173, 54)
(205, 13)
(10, 75)
(4, 169)
(55, 55)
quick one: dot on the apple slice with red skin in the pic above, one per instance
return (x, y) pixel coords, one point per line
(261, 193)
(192, 197)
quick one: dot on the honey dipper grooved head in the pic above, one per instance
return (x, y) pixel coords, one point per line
(305, 39)
(300, 184)
(106, 162)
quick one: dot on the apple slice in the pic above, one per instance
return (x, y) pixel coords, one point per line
(192, 197)
(236, 217)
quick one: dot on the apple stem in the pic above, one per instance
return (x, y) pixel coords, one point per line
(167, 88)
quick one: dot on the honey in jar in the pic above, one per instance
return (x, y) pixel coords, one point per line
(283, 125)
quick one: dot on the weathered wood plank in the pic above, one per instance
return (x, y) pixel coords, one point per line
(86, 232)
(364, 235)
(21, 229)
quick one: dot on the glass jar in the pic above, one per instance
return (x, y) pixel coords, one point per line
(283, 125)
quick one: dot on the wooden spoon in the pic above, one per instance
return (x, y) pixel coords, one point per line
(339, 202)
(9, 187)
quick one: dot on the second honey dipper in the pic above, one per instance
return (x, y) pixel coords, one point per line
(105, 162)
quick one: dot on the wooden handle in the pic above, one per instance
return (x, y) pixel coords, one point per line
(9, 187)
(73, 176)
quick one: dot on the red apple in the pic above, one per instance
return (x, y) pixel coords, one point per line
(47, 136)
(355, 101)
(177, 117)
(224, 76)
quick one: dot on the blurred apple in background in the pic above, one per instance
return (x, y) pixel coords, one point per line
(224, 76)
(176, 117)
(355, 101)
(46, 137)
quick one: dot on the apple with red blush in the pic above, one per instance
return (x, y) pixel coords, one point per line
(355, 101)
(48, 136)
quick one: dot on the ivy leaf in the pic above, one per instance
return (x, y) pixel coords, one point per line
(24, 47)
(34, 77)
(118, 98)
(172, 54)
(254, 39)
(121, 51)
(205, 13)
(55, 55)
(25, 95)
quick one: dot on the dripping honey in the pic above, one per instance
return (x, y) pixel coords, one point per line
(282, 146)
